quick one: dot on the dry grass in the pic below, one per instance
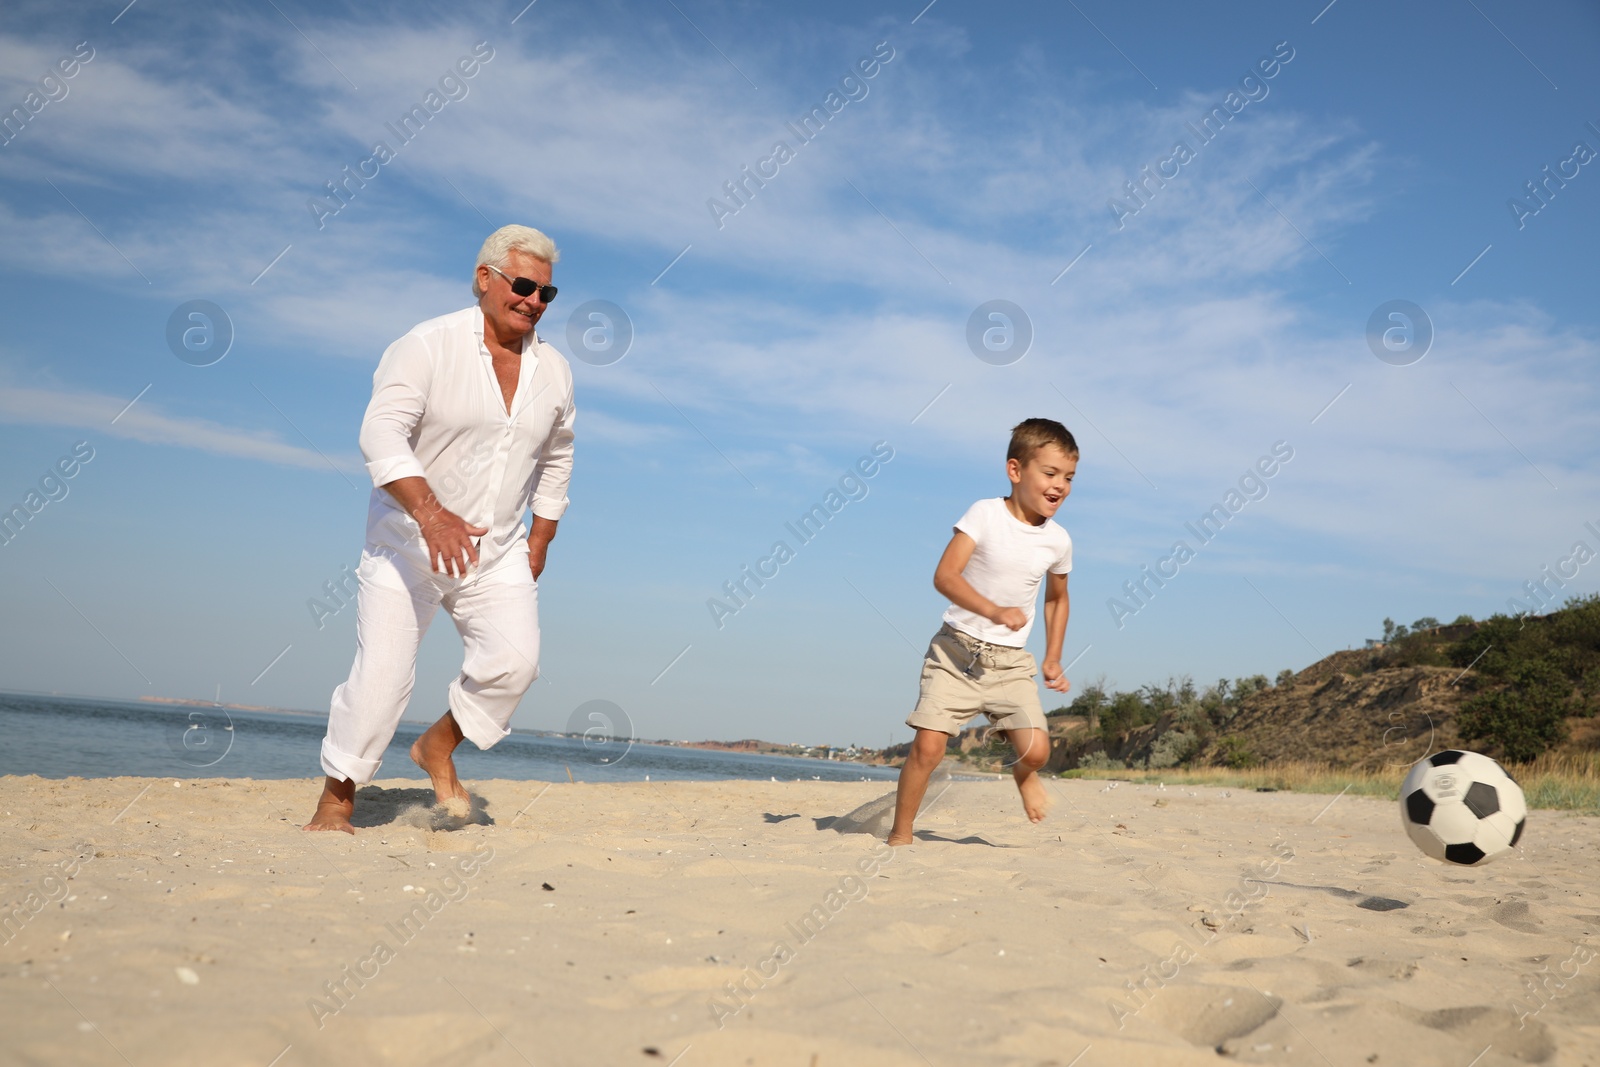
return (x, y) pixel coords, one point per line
(1567, 781)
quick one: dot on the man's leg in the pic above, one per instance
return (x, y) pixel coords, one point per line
(1033, 751)
(390, 621)
(335, 806)
(433, 753)
(927, 751)
(498, 619)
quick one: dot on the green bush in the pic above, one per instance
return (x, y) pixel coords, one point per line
(1089, 702)
(1125, 712)
(1417, 650)
(1235, 752)
(1590, 686)
(1243, 687)
(1099, 761)
(1524, 718)
(1497, 643)
(1172, 748)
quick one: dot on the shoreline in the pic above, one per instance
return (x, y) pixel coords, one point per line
(733, 747)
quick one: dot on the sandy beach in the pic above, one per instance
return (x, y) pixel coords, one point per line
(156, 921)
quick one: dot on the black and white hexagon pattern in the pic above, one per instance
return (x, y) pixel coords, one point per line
(1462, 807)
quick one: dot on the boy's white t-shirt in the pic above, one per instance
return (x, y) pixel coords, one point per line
(1007, 566)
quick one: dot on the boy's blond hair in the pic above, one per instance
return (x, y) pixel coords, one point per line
(1030, 435)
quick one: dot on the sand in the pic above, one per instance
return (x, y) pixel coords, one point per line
(716, 923)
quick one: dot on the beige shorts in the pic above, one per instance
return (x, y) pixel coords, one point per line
(962, 676)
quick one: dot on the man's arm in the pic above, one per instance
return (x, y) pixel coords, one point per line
(1057, 606)
(399, 400)
(450, 537)
(949, 581)
(550, 477)
(539, 538)
(400, 388)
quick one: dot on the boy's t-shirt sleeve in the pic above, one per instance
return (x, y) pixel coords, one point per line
(1064, 564)
(972, 522)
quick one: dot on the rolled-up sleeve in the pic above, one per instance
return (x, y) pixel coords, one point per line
(399, 397)
(553, 471)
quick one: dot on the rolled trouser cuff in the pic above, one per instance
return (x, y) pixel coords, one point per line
(477, 723)
(337, 764)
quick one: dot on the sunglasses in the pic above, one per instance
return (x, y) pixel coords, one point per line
(526, 286)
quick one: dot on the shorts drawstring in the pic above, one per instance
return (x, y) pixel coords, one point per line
(964, 676)
(975, 649)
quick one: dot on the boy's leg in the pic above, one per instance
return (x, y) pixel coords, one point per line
(1016, 710)
(927, 751)
(1033, 751)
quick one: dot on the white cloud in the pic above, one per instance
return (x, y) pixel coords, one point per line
(628, 147)
(144, 421)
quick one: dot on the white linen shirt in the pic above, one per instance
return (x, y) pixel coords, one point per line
(437, 412)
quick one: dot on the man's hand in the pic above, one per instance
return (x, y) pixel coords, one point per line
(539, 538)
(449, 536)
(450, 540)
(1053, 678)
(1010, 618)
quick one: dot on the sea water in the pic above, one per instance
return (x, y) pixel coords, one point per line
(56, 737)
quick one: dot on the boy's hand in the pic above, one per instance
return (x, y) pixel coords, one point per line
(1053, 678)
(1010, 618)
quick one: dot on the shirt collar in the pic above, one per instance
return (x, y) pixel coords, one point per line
(478, 329)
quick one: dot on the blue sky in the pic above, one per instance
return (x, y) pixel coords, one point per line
(1228, 313)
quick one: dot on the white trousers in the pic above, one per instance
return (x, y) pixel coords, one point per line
(496, 611)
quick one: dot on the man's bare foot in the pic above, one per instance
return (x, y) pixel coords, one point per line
(899, 839)
(432, 752)
(334, 807)
(1035, 800)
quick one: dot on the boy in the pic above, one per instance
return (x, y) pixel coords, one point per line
(990, 571)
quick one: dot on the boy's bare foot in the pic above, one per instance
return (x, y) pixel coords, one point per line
(334, 807)
(1035, 800)
(899, 839)
(432, 752)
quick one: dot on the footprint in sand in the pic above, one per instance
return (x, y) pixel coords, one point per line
(1366, 903)
(1480, 1025)
(1382, 967)
(1206, 1015)
(1515, 915)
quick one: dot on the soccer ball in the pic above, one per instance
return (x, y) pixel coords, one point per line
(1462, 807)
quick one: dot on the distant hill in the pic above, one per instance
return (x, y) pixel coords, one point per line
(1342, 711)
(747, 745)
(1511, 687)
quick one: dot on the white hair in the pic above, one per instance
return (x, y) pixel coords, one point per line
(507, 239)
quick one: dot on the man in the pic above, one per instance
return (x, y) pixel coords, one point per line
(469, 426)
